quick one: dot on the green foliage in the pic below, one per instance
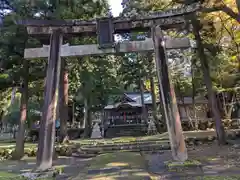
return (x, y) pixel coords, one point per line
(12, 113)
(14, 39)
(5, 97)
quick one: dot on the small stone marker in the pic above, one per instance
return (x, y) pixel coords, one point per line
(96, 132)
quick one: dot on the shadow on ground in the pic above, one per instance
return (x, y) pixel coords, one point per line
(116, 166)
(70, 166)
(218, 162)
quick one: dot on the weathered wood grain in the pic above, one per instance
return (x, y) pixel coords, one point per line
(92, 49)
(166, 19)
(47, 125)
(168, 98)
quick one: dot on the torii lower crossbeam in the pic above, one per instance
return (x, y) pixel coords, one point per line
(92, 49)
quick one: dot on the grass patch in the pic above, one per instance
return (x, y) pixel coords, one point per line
(121, 140)
(163, 136)
(104, 141)
(128, 159)
(11, 176)
(8, 175)
(119, 165)
(124, 139)
(13, 144)
(187, 163)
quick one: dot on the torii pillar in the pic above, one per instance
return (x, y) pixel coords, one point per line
(47, 128)
(168, 98)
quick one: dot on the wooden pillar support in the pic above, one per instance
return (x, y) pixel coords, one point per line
(168, 99)
(92, 49)
(47, 126)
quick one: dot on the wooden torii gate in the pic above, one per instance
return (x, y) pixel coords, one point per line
(105, 29)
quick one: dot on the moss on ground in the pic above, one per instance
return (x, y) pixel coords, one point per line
(187, 163)
(127, 159)
(7, 175)
(163, 136)
(11, 176)
(122, 165)
(219, 178)
(127, 139)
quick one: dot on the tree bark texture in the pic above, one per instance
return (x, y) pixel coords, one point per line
(193, 95)
(144, 110)
(89, 124)
(87, 119)
(153, 93)
(168, 99)
(19, 151)
(47, 125)
(207, 78)
(83, 123)
(14, 90)
(73, 113)
(154, 105)
(63, 105)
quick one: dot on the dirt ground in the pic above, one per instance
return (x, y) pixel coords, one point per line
(70, 166)
(221, 159)
(217, 162)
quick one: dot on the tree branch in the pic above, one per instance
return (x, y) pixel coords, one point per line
(224, 9)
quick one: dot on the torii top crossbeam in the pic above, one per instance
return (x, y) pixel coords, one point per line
(166, 19)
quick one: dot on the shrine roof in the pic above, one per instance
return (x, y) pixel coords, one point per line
(118, 105)
(133, 99)
(136, 97)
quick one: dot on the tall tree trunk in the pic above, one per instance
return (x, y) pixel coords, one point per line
(89, 123)
(83, 123)
(63, 111)
(1, 119)
(153, 93)
(47, 126)
(207, 78)
(14, 90)
(73, 113)
(193, 97)
(19, 150)
(144, 110)
(238, 6)
(87, 119)
(154, 105)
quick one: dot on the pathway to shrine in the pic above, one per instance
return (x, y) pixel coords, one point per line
(118, 165)
(219, 163)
